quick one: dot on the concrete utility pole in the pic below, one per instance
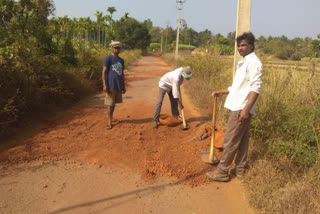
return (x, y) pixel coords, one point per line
(243, 25)
(178, 28)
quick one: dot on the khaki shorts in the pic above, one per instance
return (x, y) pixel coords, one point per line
(113, 98)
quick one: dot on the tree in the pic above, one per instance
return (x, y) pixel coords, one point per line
(124, 17)
(109, 18)
(132, 33)
(155, 33)
(111, 10)
(98, 14)
(231, 37)
(205, 38)
(261, 41)
(192, 37)
(316, 48)
(225, 46)
(148, 24)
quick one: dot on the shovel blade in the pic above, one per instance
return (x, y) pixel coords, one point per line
(205, 157)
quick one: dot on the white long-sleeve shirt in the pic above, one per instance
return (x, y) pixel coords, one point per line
(172, 81)
(248, 78)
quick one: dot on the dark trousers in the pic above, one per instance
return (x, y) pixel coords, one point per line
(174, 104)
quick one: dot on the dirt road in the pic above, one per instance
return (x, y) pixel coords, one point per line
(70, 163)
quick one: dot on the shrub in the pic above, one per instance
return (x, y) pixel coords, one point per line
(155, 46)
(288, 118)
(186, 47)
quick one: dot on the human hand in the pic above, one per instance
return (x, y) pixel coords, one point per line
(244, 115)
(214, 94)
(124, 91)
(219, 93)
(180, 105)
(107, 90)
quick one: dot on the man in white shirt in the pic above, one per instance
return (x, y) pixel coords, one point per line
(241, 102)
(170, 83)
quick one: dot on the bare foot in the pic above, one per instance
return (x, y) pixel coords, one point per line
(109, 126)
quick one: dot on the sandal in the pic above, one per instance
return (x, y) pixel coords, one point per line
(214, 177)
(115, 122)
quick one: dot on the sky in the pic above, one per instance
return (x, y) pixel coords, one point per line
(292, 18)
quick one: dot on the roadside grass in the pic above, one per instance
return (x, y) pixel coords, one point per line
(284, 156)
(278, 186)
(284, 170)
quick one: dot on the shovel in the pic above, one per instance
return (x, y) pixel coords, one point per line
(185, 126)
(208, 156)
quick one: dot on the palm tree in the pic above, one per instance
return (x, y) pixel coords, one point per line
(111, 10)
(98, 14)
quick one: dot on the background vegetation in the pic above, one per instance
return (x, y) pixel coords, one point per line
(284, 169)
(51, 62)
(279, 47)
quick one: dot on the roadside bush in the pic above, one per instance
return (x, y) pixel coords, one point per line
(67, 52)
(284, 158)
(38, 85)
(288, 118)
(32, 83)
(90, 66)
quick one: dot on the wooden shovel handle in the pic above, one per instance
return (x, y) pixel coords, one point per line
(211, 156)
(182, 113)
(183, 119)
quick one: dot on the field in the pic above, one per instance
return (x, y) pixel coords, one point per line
(306, 64)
